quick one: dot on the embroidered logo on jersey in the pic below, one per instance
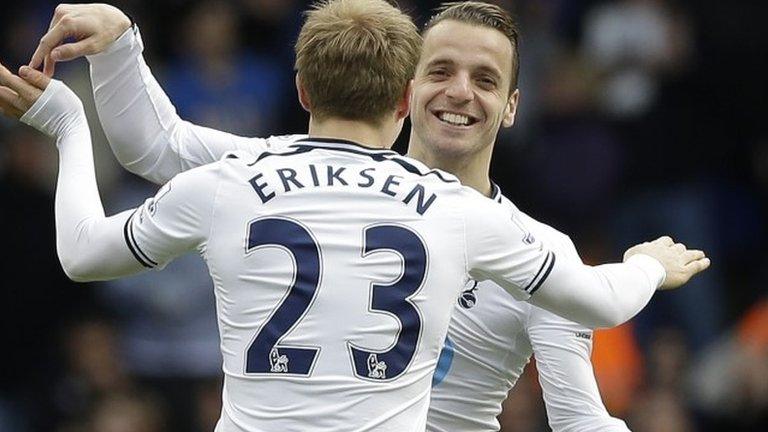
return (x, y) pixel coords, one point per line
(529, 239)
(584, 335)
(278, 363)
(468, 298)
(152, 207)
(376, 369)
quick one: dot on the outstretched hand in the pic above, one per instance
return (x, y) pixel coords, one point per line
(92, 27)
(19, 92)
(680, 263)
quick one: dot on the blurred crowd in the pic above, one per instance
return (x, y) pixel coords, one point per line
(637, 118)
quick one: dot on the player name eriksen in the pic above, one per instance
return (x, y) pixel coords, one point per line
(328, 175)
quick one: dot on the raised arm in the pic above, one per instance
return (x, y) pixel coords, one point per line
(146, 134)
(91, 246)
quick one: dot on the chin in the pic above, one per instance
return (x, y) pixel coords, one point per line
(453, 147)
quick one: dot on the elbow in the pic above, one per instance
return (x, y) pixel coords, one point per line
(609, 318)
(76, 270)
(608, 322)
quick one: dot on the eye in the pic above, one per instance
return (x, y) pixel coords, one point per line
(487, 83)
(438, 73)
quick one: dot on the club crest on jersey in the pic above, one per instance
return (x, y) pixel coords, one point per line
(152, 207)
(278, 363)
(529, 239)
(376, 369)
(468, 298)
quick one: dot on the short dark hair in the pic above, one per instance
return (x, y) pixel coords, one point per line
(484, 15)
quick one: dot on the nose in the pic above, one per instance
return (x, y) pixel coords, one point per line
(460, 88)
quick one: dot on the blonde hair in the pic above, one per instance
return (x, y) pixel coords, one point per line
(355, 58)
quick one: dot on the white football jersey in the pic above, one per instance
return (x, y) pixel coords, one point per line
(336, 268)
(491, 338)
(151, 140)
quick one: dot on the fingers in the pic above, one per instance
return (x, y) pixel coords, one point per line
(73, 50)
(9, 100)
(665, 240)
(698, 266)
(59, 13)
(38, 79)
(49, 66)
(24, 90)
(48, 42)
(693, 255)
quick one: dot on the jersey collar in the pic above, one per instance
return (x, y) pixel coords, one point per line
(497, 196)
(342, 144)
(495, 192)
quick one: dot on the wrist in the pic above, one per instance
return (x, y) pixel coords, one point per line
(57, 112)
(650, 266)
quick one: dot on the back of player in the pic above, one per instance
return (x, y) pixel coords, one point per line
(335, 268)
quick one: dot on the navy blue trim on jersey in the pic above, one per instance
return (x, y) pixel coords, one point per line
(544, 270)
(345, 143)
(546, 275)
(414, 170)
(354, 148)
(140, 256)
(378, 156)
(268, 154)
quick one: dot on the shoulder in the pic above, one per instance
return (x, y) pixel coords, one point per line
(555, 239)
(258, 145)
(276, 142)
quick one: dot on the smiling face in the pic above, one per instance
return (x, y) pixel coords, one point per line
(461, 93)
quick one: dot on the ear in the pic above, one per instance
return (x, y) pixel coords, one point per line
(404, 105)
(303, 96)
(511, 109)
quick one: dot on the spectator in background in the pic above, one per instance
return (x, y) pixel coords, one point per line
(36, 296)
(167, 323)
(129, 412)
(94, 371)
(631, 43)
(730, 381)
(213, 82)
(637, 49)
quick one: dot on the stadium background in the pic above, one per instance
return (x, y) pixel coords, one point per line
(638, 117)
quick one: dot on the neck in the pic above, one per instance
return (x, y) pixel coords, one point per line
(351, 130)
(471, 170)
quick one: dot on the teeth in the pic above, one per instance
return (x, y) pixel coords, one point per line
(454, 119)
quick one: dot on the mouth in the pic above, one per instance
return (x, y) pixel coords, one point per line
(455, 119)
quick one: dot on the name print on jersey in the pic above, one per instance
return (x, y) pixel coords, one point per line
(331, 176)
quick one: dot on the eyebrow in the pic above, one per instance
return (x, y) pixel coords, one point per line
(482, 68)
(440, 62)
